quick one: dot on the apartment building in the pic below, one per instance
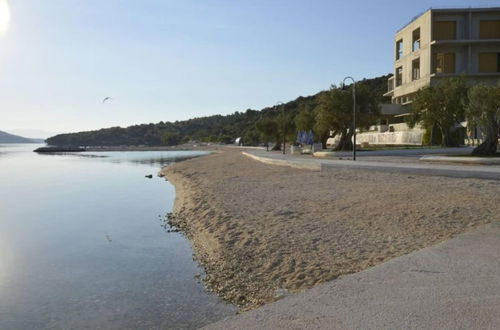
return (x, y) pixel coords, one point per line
(437, 43)
(443, 43)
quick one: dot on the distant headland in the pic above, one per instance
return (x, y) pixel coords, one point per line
(11, 138)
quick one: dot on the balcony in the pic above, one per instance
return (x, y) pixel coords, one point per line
(390, 86)
(464, 42)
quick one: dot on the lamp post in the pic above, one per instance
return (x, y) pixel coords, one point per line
(283, 127)
(353, 114)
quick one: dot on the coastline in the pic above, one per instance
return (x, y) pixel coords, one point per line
(196, 213)
(261, 231)
(180, 147)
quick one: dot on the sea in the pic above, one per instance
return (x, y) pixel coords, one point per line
(84, 244)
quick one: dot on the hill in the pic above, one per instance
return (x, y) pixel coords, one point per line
(11, 138)
(217, 128)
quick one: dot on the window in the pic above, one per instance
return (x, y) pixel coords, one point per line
(489, 62)
(416, 40)
(489, 30)
(445, 30)
(444, 62)
(399, 49)
(399, 76)
(415, 69)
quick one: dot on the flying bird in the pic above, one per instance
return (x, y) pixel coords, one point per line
(108, 238)
(106, 98)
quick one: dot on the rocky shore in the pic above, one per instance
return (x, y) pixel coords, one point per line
(261, 231)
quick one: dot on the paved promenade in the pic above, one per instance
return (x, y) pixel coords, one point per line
(406, 162)
(453, 285)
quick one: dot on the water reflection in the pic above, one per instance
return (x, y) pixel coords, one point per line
(156, 158)
(162, 161)
(80, 246)
(72, 154)
(161, 158)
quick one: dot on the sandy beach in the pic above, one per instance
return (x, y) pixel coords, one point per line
(261, 230)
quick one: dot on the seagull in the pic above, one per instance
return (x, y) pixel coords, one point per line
(106, 98)
(108, 238)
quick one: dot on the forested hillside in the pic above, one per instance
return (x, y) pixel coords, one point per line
(217, 128)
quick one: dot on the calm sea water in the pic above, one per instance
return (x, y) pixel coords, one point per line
(81, 245)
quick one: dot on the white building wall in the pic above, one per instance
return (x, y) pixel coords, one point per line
(413, 137)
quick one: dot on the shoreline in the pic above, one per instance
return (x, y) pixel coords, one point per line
(180, 147)
(190, 205)
(263, 231)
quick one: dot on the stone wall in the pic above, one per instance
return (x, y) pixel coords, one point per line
(391, 138)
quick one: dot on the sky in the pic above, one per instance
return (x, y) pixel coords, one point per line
(165, 60)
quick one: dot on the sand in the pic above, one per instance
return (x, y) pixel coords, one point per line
(261, 231)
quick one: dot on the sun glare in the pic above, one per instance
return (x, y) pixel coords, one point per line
(4, 17)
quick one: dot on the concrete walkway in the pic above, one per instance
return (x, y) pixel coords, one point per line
(463, 160)
(311, 163)
(453, 285)
(402, 152)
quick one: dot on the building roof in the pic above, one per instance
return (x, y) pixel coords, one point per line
(450, 9)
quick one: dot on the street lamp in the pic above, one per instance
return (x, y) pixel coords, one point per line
(280, 104)
(353, 114)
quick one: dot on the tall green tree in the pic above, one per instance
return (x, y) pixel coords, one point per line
(305, 120)
(287, 127)
(322, 124)
(268, 129)
(251, 137)
(442, 106)
(483, 111)
(335, 113)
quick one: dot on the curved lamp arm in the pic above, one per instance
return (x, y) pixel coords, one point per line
(353, 114)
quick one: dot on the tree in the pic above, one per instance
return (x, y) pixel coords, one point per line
(322, 125)
(286, 127)
(335, 110)
(483, 110)
(305, 120)
(251, 138)
(268, 128)
(441, 106)
(225, 139)
(170, 138)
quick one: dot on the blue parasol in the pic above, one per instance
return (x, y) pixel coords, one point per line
(309, 137)
(299, 137)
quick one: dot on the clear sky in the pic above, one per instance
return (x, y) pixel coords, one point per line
(165, 60)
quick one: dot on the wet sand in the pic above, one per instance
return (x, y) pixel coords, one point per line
(261, 231)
